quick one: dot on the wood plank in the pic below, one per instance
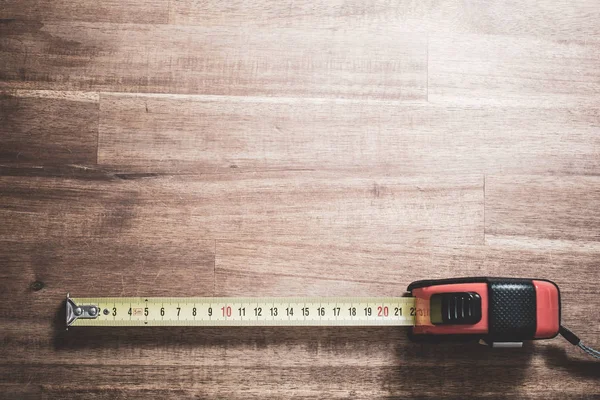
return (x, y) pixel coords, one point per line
(238, 362)
(96, 266)
(108, 266)
(288, 269)
(48, 127)
(226, 60)
(504, 70)
(300, 205)
(111, 265)
(546, 209)
(293, 148)
(305, 381)
(241, 362)
(310, 383)
(147, 11)
(209, 133)
(576, 19)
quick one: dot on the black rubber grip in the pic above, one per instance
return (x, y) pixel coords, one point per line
(512, 309)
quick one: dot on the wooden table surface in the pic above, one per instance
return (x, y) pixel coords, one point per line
(326, 147)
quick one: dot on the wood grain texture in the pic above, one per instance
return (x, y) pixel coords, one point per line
(288, 269)
(574, 19)
(299, 205)
(110, 266)
(301, 362)
(226, 60)
(136, 11)
(48, 127)
(521, 71)
(202, 148)
(547, 208)
(208, 133)
(247, 362)
(382, 269)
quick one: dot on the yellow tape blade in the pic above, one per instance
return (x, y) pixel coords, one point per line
(263, 311)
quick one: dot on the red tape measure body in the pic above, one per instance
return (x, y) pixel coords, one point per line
(494, 309)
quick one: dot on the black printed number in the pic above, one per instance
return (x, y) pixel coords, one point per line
(162, 311)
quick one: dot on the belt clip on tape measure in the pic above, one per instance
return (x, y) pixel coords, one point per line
(500, 312)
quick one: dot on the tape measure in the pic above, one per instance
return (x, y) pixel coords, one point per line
(501, 312)
(222, 311)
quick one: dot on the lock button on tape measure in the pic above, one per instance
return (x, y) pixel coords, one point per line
(501, 312)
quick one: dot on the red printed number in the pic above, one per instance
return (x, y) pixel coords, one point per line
(382, 311)
(226, 311)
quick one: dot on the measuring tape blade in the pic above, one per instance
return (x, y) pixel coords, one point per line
(258, 311)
